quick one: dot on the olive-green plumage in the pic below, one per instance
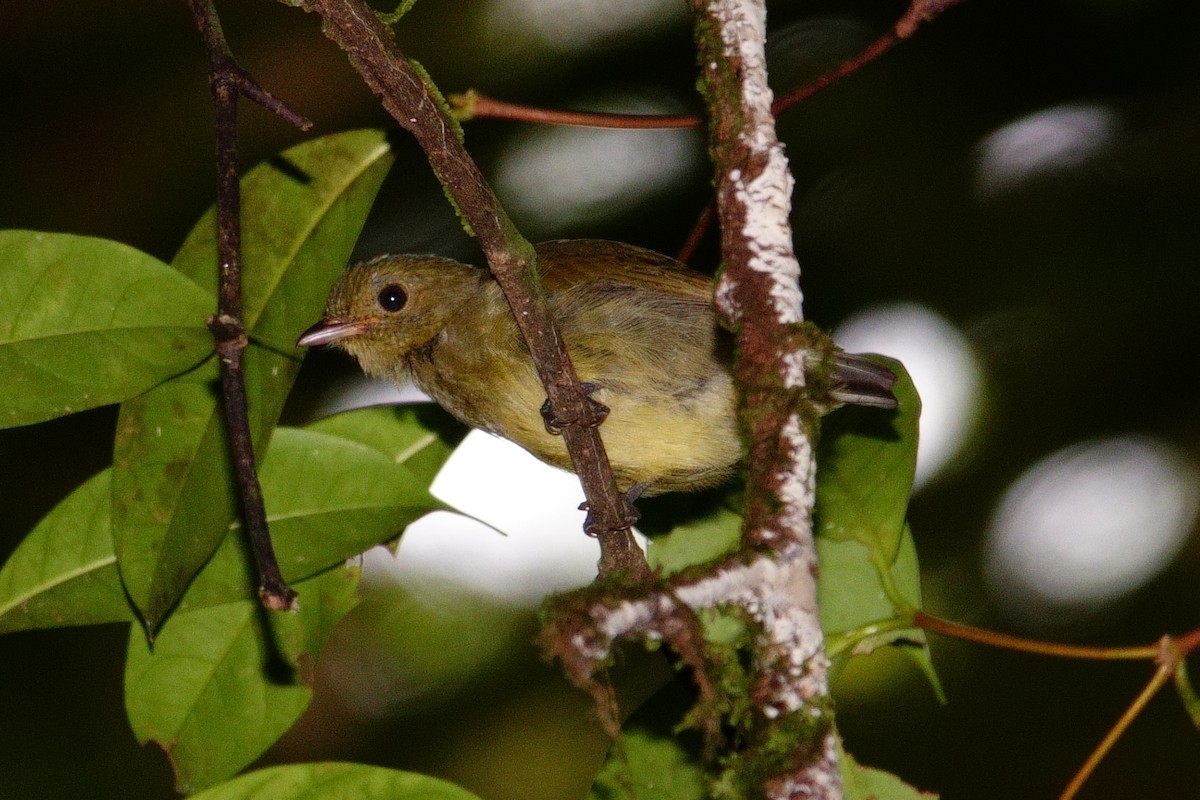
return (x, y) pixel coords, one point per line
(640, 329)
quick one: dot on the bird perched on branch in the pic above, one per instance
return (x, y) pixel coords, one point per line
(641, 331)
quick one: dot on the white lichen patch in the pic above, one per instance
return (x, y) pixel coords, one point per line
(798, 486)
(765, 198)
(795, 370)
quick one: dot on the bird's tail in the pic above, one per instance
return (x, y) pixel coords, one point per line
(859, 381)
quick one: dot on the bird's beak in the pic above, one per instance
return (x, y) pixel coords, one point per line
(329, 330)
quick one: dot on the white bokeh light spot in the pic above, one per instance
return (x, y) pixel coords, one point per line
(1089, 524)
(537, 545)
(578, 25)
(942, 367)
(553, 177)
(1058, 138)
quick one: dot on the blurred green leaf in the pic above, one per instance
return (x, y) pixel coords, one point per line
(64, 572)
(86, 322)
(868, 783)
(431, 636)
(173, 495)
(865, 462)
(1187, 693)
(334, 780)
(649, 766)
(695, 542)
(650, 760)
(221, 684)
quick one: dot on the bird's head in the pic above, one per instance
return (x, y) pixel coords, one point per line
(381, 310)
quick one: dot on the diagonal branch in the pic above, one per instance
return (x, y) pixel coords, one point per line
(414, 103)
(228, 81)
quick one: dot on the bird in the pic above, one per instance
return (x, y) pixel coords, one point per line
(640, 328)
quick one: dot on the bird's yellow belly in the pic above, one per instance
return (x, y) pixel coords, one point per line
(663, 440)
(660, 442)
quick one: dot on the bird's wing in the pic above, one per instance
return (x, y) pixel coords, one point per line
(624, 311)
(569, 262)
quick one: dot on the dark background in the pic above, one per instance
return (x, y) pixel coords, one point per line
(105, 130)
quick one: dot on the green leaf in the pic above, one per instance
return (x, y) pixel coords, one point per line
(171, 488)
(695, 542)
(334, 498)
(868, 783)
(214, 691)
(86, 322)
(420, 437)
(865, 605)
(865, 466)
(650, 760)
(328, 499)
(1187, 693)
(649, 766)
(173, 495)
(64, 572)
(331, 781)
(859, 593)
(302, 212)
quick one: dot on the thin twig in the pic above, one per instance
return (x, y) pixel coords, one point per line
(920, 11)
(472, 105)
(1166, 669)
(957, 630)
(701, 227)
(228, 81)
(411, 101)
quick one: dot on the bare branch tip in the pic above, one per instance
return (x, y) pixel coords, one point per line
(279, 598)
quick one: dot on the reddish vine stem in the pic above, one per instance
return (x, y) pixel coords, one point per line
(957, 630)
(1168, 658)
(228, 81)
(418, 108)
(1168, 654)
(473, 105)
(919, 12)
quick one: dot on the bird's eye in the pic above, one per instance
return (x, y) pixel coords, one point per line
(392, 297)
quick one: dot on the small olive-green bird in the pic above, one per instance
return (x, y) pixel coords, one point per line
(641, 331)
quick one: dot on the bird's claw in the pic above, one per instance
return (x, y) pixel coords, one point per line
(554, 425)
(628, 520)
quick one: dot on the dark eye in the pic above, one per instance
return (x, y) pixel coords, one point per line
(392, 297)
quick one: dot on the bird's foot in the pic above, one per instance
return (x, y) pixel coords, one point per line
(629, 518)
(599, 412)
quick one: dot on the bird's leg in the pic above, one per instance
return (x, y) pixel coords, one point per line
(554, 425)
(631, 512)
